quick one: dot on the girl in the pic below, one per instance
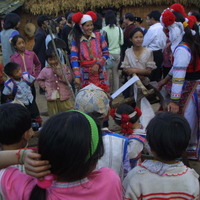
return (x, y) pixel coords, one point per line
(115, 38)
(138, 59)
(28, 62)
(52, 80)
(127, 117)
(11, 23)
(185, 73)
(72, 164)
(89, 52)
(165, 177)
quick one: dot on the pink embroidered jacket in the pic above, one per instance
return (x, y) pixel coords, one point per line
(50, 82)
(30, 64)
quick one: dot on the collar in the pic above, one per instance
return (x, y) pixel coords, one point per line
(84, 38)
(25, 52)
(163, 169)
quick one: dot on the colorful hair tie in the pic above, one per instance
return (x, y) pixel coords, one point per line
(94, 134)
(46, 182)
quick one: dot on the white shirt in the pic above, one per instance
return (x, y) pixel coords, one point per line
(155, 39)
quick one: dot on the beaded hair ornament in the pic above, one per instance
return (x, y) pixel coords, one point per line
(126, 125)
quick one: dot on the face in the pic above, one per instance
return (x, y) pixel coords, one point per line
(148, 21)
(137, 39)
(17, 74)
(137, 24)
(20, 45)
(88, 28)
(53, 62)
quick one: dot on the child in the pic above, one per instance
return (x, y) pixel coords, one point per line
(27, 60)
(17, 88)
(15, 128)
(94, 101)
(73, 152)
(127, 117)
(52, 80)
(165, 177)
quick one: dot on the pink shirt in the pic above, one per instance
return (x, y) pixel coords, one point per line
(51, 82)
(30, 64)
(103, 184)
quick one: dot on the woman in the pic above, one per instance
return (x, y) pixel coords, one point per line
(185, 73)
(89, 52)
(115, 40)
(11, 23)
(138, 59)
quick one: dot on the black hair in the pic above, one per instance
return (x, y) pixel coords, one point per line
(15, 38)
(138, 19)
(50, 53)
(126, 109)
(11, 20)
(59, 19)
(69, 18)
(77, 34)
(41, 19)
(67, 14)
(10, 67)
(155, 14)
(168, 135)
(66, 146)
(98, 23)
(110, 18)
(15, 120)
(133, 31)
(192, 40)
(196, 14)
(129, 16)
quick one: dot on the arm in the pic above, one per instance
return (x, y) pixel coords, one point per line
(37, 64)
(148, 38)
(138, 71)
(121, 42)
(41, 79)
(39, 39)
(181, 61)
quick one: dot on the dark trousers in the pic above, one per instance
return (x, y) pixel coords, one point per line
(156, 74)
(33, 109)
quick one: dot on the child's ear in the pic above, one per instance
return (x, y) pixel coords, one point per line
(28, 134)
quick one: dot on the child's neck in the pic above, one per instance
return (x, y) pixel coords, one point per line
(136, 125)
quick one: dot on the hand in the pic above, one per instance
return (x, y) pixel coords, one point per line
(77, 82)
(129, 71)
(95, 68)
(35, 167)
(161, 84)
(173, 107)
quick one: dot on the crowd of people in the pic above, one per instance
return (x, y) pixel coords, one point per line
(77, 63)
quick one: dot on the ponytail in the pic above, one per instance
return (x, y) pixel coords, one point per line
(38, 193)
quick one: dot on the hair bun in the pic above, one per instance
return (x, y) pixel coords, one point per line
(93, 15)
(76, 18)
(168, 18)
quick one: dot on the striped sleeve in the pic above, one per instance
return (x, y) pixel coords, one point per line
(74, 59)
(181, 61)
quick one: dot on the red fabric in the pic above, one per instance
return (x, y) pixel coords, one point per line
(168, 18)
(1, 73)
(76, 17)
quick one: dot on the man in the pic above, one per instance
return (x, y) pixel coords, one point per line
(40, 36)
(155, 39)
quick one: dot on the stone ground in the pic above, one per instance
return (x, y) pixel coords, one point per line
(41, 101)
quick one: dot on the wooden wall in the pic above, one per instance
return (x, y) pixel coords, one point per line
(145, 10)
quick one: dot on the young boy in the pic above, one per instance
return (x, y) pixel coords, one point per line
(15, 127)
(17, 88)
(53, 81)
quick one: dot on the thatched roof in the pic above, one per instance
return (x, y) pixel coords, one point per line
(7, 6)
(55, 6)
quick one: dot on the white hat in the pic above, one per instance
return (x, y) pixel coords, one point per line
(85, 18)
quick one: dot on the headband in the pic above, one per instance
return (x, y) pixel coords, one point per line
(94, 133)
